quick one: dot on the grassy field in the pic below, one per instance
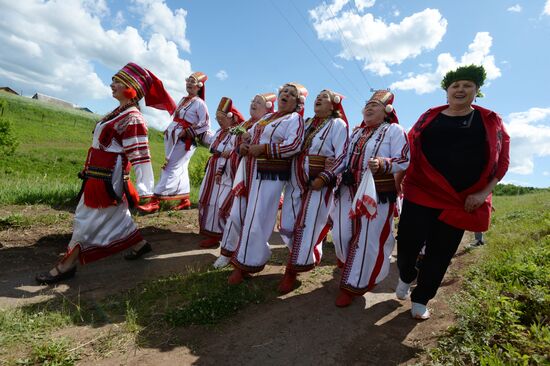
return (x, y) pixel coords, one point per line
(53, 143)
(503, 312)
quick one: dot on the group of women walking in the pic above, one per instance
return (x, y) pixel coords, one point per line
(319, 176)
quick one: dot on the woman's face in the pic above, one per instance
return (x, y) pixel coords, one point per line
(373, 113)
(288, 99)
(117, 89)
(461, 93)
(323, 104)
(257, 107)
(223, 120)
(192, 86)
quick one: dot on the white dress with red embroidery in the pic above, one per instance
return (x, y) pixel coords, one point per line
(235, 204)
(265, 180)
(216, 185)
(190, 115)
(304, 218)
(365, 244)
(103, 224)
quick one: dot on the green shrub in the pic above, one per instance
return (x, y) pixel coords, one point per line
(8, 141)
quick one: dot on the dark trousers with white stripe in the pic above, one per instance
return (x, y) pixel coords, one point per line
(419, 226)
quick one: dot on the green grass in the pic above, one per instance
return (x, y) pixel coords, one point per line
(53, 143)
(503, 312)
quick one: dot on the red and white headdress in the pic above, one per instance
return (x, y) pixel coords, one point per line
(336, 100)
(269, 99)
(226, 106)
(146, 85)
(302, 94)
(201, 78)
(385, 97)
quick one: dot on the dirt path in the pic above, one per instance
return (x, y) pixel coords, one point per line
(302, 327)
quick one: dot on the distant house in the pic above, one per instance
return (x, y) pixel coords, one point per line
(7, 89)
(84, 109)
(52, 100)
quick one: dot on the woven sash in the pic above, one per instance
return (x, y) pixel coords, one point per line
(273, 169)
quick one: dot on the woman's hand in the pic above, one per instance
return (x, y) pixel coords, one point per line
(256, 150)
(225, 154)
(246, 137)
(183, 134)
(474, 201)
(317, 184)
(374, 165)
(243, 149)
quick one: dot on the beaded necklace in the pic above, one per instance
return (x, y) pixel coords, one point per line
(315, 126)
(271, 118)
(117, 111)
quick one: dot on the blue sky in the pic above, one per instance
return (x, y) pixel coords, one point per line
(70, 49)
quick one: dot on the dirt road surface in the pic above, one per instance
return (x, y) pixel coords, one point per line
(303, 327)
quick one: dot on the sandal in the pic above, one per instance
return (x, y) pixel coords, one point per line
(46, 278)
(136, 254)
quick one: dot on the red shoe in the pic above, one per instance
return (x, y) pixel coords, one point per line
(287, 283)
(344, 299)
(209, 242)
(151, 206)
(339, 263)
(236, 277)
(184, 204)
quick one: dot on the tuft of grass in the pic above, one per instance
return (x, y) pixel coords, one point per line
(503, 311)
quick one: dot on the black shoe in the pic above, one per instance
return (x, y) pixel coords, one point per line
(136, 254)
(477, 244)
(47, 279)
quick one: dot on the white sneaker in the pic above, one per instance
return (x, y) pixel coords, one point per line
(420, 311)
(403, 290)
(222, 261)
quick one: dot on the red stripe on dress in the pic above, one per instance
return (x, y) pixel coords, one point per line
(381, 257)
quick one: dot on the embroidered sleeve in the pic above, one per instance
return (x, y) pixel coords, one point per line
(340, 143)
(135, 142)
(399, 152)
(136, 148)
(203, 123)
(292, 143)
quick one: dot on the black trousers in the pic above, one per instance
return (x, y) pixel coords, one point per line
(419, 226)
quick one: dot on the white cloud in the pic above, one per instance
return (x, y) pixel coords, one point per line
(396, 13)
(546, 8)
(363, 4)
(515, 9)
(222, 75)
(546, 173)
(119, 20)
(159, 18)
(326, 11)
(529, 135)
(379, 44)
(478, 53)
(56, 48)
(338, 66)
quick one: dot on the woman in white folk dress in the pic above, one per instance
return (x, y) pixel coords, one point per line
(364, 210)
(190, 123)
(308, 197)
(235, 204)
(218, 178)
(275, 139)
(103, 224)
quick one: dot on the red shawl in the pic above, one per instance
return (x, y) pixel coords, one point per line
(425, 186)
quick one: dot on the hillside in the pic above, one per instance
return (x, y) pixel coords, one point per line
(53, 142)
